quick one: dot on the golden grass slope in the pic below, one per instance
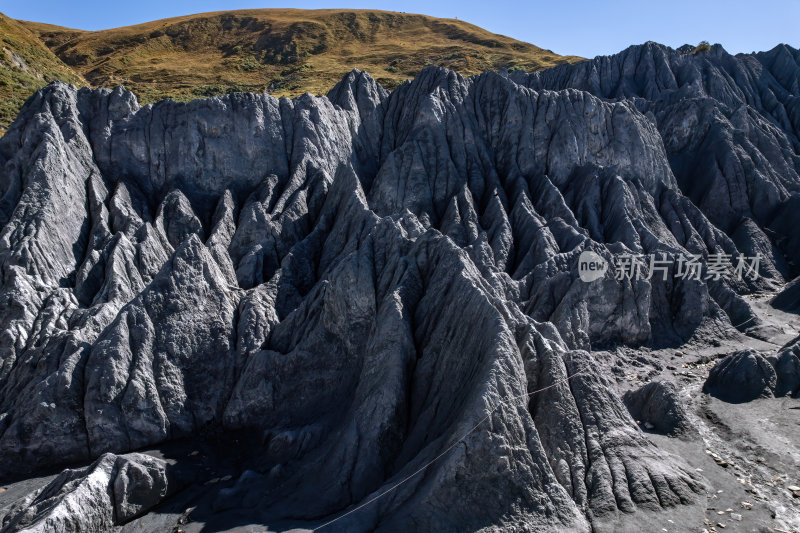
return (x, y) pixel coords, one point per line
(25, 66)
(283, 51)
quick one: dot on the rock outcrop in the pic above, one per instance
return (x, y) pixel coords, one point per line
(747, 375)
(658, 405)
(361, 279)
(741, 377)
(789, 297)
(108, 493)
(787, 370)
(729, 124)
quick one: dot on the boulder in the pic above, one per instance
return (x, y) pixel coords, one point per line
(787, 370)
(741, 377)
(110, 492)
(658, 403)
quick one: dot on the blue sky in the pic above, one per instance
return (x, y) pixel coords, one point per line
(580, 27)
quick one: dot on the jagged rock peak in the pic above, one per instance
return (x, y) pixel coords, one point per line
(354, 281)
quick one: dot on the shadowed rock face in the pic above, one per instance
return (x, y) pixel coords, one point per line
(787, 370)
(658, 407)
(357, 280)
(730, 126)
(745, 376)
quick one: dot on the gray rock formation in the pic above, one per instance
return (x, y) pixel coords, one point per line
(658, 403)
(357, 280)
(110, 492)
(729, 125)
(789, 297)
(787, 370)
(747, 375)
(741, 377)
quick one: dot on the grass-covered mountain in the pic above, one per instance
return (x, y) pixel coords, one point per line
(25, 66)
(283, 51)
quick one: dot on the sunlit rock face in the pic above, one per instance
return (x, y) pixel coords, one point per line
(355, 281)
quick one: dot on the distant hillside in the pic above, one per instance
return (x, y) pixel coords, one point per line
(283, 51)
(25, 66)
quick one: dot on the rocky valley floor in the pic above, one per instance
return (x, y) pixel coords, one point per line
(749, 451)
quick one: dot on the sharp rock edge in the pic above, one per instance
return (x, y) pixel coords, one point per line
(359, 278)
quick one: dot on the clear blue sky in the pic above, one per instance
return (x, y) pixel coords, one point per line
(580, 27)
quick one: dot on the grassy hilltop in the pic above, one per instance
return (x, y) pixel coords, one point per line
(283, 51)
(26, 65)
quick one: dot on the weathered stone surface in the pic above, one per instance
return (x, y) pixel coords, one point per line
(728, 123)
(658, 403)
(357, 280)
(110, 492)
(164, 368)
(789, 298)
(741, 377)
(787, 370)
